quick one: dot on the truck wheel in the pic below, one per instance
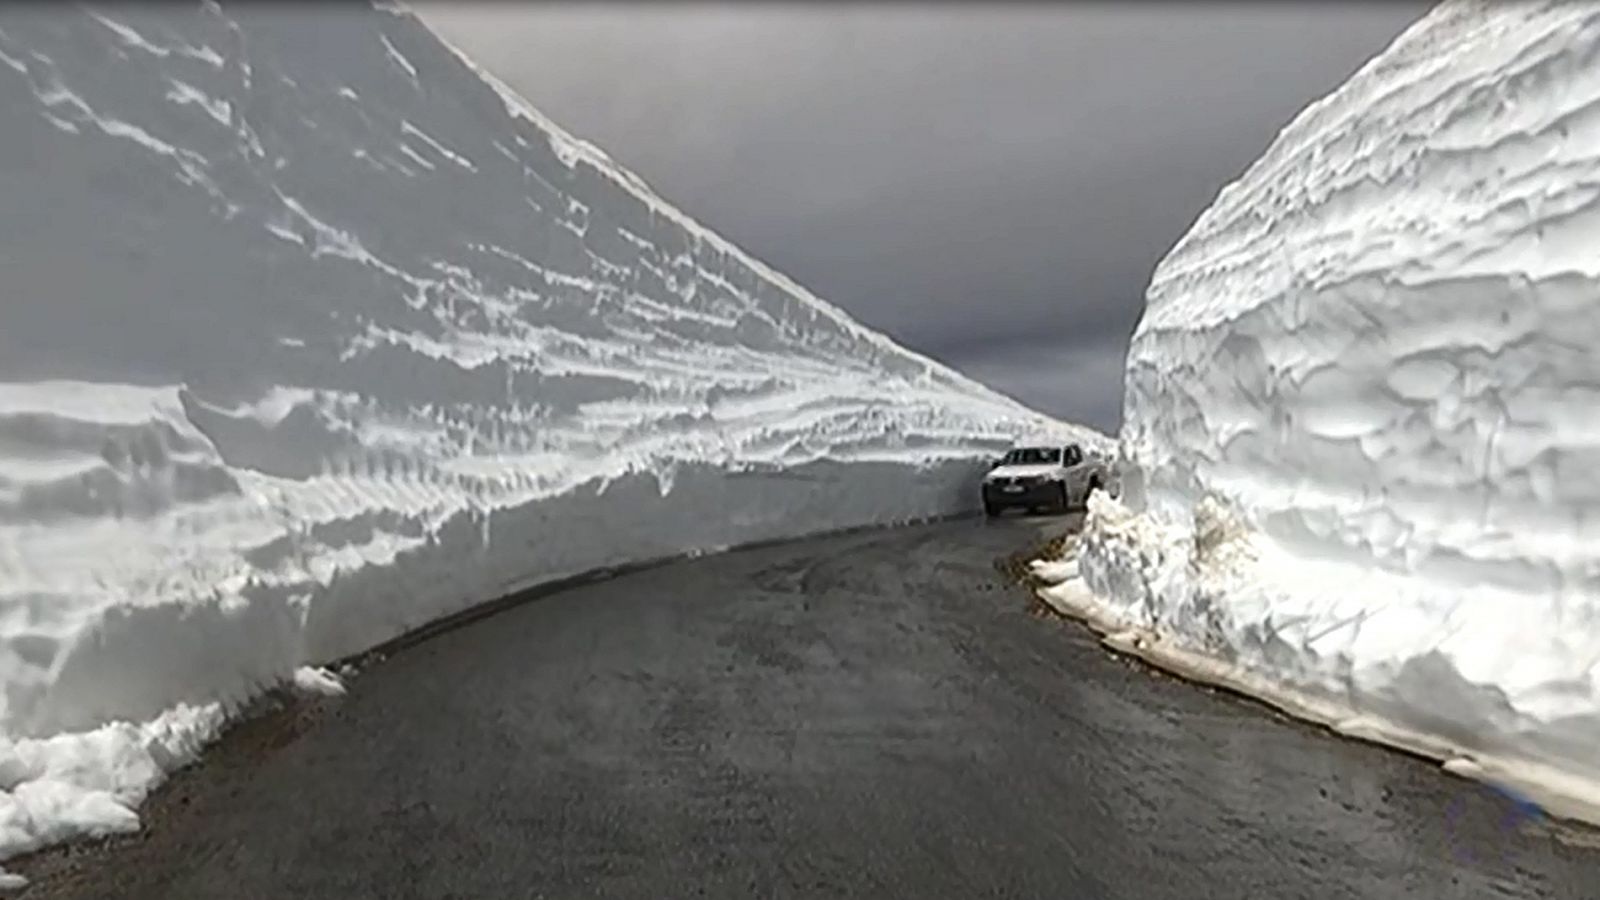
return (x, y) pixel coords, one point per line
(990, 510)
(1094, 485)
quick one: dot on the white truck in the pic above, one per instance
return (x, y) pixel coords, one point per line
(1043, 477)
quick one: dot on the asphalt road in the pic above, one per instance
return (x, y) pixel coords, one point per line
(871, 715)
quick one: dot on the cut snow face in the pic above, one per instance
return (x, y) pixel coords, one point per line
(314, 333)
(1367, 378)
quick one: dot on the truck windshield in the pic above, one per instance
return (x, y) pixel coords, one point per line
(1034, 456)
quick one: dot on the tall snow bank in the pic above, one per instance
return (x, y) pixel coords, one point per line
(313, 333)
(1374, 355)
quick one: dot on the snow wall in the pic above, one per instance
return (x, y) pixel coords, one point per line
(1362, 412)
(312, 333)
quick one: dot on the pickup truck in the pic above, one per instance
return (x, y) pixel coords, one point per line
(1043, 477)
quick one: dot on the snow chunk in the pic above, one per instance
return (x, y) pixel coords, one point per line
(318, 681)
(87, 785)
(1054, 571)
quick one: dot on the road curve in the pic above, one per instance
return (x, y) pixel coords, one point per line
(869, 715)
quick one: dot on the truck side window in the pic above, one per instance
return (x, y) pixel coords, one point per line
(1073, 455)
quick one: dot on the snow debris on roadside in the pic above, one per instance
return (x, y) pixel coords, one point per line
(318, 681)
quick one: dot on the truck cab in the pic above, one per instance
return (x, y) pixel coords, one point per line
(1042, 477)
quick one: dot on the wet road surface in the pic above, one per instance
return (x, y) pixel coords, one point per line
(869, 715)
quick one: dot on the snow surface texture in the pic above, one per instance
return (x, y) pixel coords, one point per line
(314, 333)
(1361, 442)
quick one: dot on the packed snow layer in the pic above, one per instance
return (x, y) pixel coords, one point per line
(1367, 379)
(313, 333)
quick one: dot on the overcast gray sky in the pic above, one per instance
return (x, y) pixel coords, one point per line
(988, 183)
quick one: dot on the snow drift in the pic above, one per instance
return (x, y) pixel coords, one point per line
(1362, 412)
(313, 333)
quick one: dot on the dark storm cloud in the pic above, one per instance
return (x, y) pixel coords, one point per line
(989, 183)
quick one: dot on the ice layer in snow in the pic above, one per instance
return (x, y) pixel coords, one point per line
(1362, 417)
(313, 333)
